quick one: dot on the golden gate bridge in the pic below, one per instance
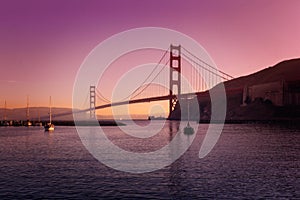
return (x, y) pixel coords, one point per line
(200, 75)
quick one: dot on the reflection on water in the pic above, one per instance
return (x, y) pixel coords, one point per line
(249, 161)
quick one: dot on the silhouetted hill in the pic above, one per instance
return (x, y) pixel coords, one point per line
(288, 70)
(35, 112)
(259, 106)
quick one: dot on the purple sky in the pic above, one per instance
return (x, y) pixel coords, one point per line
(43, 43)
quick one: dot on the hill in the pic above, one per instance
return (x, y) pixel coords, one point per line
(270, 94)
(37, 112)
(288, 70)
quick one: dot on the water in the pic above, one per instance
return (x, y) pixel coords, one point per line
(249, 161)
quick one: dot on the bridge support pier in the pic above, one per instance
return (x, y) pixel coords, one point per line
(92, 102)
(175, 76)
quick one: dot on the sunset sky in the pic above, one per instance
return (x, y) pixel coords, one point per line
(43, 43)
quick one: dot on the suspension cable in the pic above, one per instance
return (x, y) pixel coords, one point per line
(99, 94)
(207, 63)
(157, 65)
(201, 66)
(148, 83)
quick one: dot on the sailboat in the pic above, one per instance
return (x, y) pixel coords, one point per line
(188, 129)
(49, 126)
(5, 122)
(39, 123)
(28, 122)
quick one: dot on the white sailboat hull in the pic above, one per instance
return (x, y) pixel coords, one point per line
(49, 127)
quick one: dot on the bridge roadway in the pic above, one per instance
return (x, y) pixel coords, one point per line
(203, 95)
(143, 100)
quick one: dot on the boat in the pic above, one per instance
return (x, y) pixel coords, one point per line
(39, 123)
(156, 118)
(28, 122)
(4, 122)
(49, 126)
(188, 130)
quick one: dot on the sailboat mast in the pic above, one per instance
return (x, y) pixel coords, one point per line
(27, 111)
(188, 110)
(4, 116)
(50, 112)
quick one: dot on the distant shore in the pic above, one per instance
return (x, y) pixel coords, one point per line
(89, 123)
(295, 121)
(65, 123)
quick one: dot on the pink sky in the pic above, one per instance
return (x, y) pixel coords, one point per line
(43, 43)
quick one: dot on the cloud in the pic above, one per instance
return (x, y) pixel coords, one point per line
(8, 81)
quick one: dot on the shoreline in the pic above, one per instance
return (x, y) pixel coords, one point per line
(115, 123)
(63, 123)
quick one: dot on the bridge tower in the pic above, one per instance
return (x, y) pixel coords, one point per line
(92, 102)
(175, 78)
